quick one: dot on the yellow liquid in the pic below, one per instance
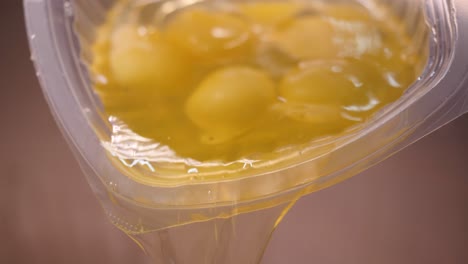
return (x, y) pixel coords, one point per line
(215, 84)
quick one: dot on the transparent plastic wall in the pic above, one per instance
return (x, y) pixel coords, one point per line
(439, 28)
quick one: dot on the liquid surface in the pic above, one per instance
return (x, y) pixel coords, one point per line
(199, 87)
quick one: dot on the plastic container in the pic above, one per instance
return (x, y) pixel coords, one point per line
(439, 96)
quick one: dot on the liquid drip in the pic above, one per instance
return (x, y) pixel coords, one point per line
(238, 239)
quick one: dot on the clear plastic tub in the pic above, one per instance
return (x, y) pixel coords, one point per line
(439, 96)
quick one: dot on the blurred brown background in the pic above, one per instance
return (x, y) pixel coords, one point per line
(411, 209)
